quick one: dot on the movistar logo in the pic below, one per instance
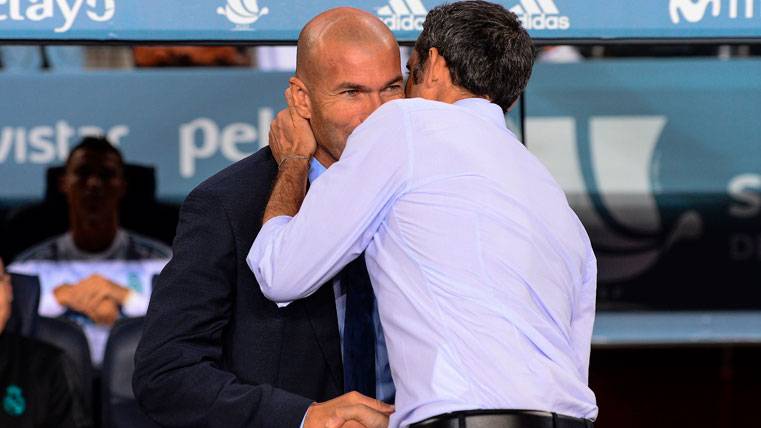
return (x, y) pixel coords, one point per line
(609, 170)
(695, 10)
(403, 15)
(68, 10)
(541, 15)
(242, 13)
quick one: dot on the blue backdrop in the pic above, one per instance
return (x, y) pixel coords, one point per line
(271, 20)
(661, 159)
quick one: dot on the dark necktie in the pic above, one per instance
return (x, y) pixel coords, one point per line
(359, 331)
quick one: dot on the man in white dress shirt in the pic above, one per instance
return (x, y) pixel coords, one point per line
(485, 278)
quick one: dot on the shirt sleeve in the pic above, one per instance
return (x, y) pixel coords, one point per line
(292, 257)
(584, 314)
(135, 305)
(49, 306)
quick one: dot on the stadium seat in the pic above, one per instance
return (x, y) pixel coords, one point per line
(120, 409)
(69, 337)
(31, 224)
(26, 299)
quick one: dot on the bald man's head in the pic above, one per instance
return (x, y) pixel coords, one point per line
(330, 32)
(347, 66)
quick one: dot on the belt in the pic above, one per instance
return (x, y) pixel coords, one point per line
(503, 419)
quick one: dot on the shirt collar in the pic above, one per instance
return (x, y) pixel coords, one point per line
(315, 170)
(484, 108)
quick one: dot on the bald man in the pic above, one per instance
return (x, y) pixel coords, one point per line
(215, 352)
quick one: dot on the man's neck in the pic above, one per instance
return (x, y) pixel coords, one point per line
(454, 94)
(324, 158)
(94, 236)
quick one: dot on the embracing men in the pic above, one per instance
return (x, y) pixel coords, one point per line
(484, 277)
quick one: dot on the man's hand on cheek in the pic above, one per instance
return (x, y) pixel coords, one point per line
(291, 135)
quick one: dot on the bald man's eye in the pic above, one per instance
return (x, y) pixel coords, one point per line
(394, 88)
(351, 92)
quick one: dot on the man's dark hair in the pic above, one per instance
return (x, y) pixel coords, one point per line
(96, 144)
(487, 50)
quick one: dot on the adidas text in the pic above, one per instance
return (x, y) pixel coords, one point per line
(545, 22)
(404, 23)
(541, 15)
(403, 15)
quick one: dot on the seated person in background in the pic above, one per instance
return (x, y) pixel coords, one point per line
(96, 270)
(34, 388)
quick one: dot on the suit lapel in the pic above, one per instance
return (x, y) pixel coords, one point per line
(321, 309)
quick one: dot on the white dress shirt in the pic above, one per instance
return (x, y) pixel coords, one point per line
(485, 278)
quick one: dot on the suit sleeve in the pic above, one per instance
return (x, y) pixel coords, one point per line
(179, 378)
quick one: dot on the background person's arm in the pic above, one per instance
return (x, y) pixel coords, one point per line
(292, 256)
(6, 296)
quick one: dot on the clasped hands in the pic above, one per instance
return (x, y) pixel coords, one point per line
(94, 296)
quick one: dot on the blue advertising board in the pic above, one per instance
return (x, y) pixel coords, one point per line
(188, 124)
(280, 21)
(660, 159)
(662, 162)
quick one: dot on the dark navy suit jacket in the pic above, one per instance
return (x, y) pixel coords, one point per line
(215, 352)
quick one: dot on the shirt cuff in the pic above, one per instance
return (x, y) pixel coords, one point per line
(49, 306)
(272, 226)
(258, 249)
(135, 305)
(303, 420)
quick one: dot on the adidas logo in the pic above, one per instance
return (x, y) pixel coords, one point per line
(403, 15)
(541, 15)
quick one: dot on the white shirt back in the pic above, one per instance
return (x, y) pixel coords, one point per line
(484, 276)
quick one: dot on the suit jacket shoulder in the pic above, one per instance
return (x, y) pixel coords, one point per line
(215, 352)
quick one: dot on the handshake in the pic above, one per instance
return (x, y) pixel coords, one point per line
(94, 296)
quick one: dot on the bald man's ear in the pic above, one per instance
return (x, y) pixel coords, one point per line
(301, 97)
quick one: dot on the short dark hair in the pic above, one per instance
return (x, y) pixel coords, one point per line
(487, 50)
(96, 144)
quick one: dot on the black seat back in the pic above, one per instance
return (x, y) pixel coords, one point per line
(120, 409)
(70, 338)
(26, 300)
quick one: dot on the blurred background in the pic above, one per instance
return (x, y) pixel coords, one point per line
(653, 131)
